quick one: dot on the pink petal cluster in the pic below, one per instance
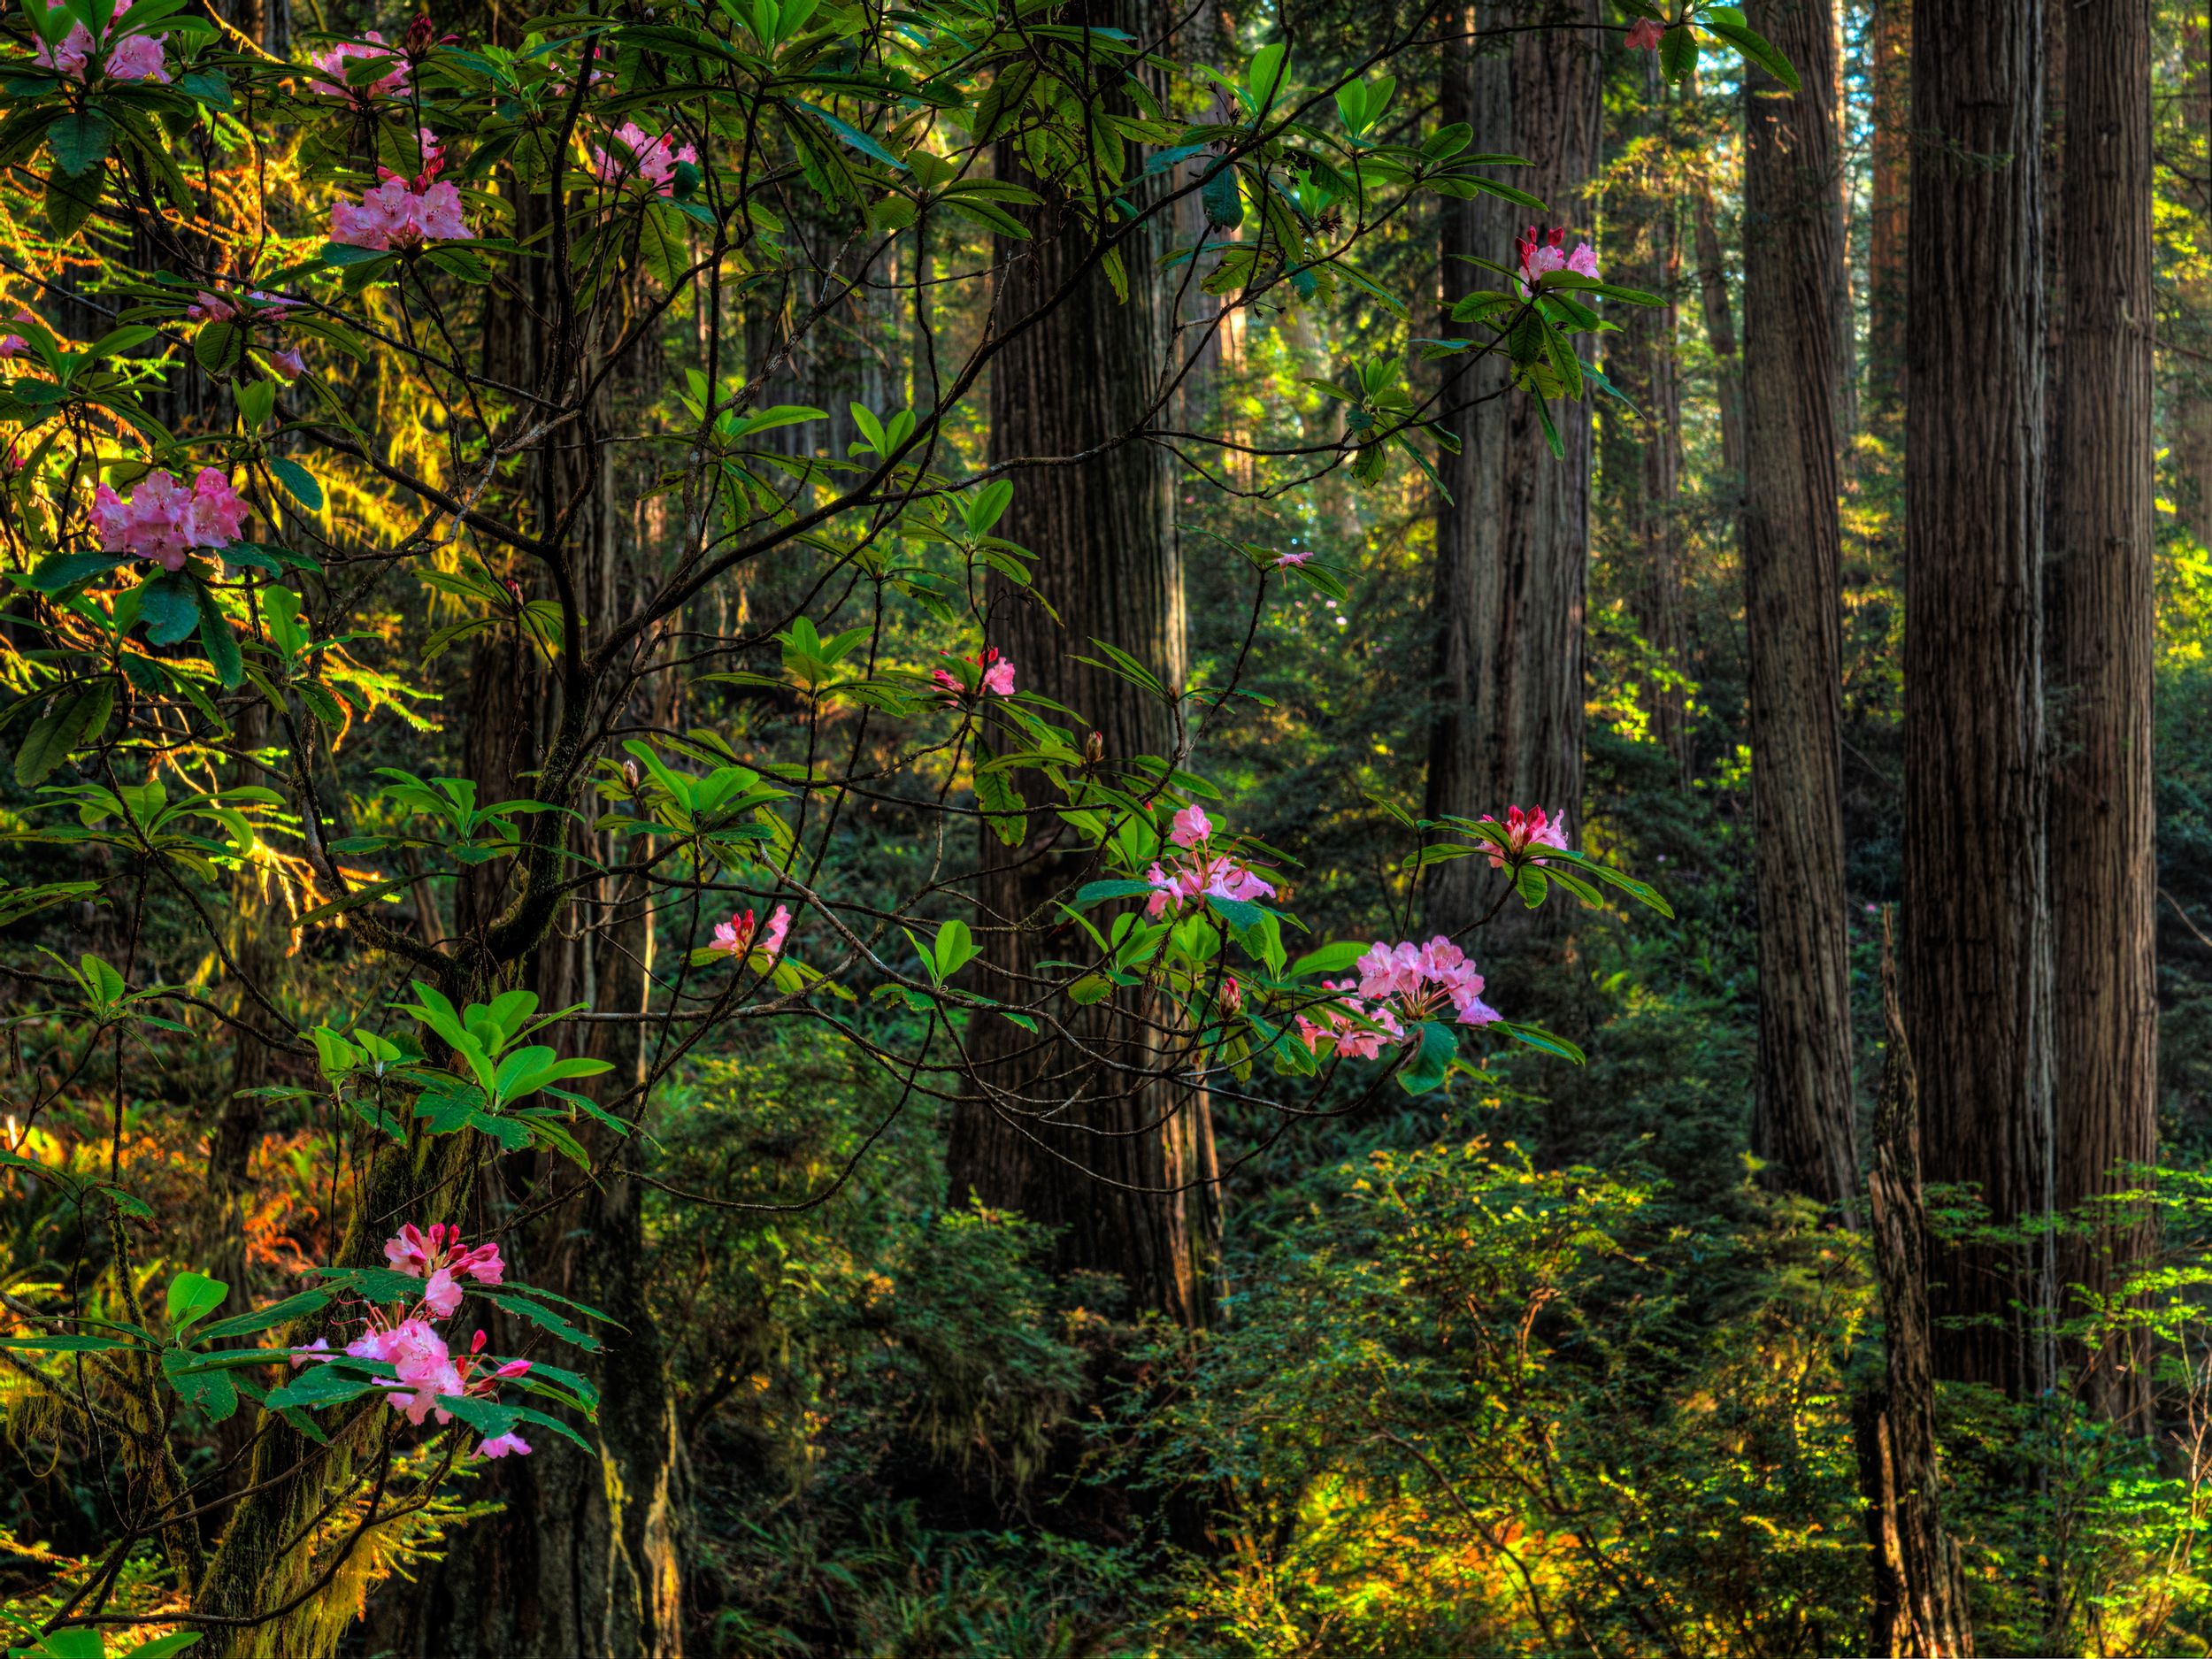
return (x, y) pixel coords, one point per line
(132, 57)
(1397, 988)
(425, 1371)
(652, 160)
(332, 81)
(1196, 871)
(734, 937)
(997, 677)
(163, 521)
(1525, 830)
(13, 346)
(1296, 556)
(1544, 250)
(1643, 35)
(268, 311)
(398, 214)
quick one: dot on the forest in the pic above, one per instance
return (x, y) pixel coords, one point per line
(1105, 829)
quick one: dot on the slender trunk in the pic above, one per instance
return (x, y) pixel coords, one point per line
(1720, 331)
(1919, 1600)
(2099, 607)
(1511, 586)
(1802, 1125)
(1889, 72)
(1640, 433)
(1102, 1143)
(1976, 936)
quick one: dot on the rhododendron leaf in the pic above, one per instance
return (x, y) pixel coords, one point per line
(67, 721)
(162, 1647)
(80, 141)
(1728, 23)
(1098, 892)
(1551, 430)
(298, 480)
(212, 1390)
(373, 1284)
(1329, 959)
(1241, 914)
(65, 1644)
(67, 1343)
(1678, 52)
(170, 607)
(193, 1296)
(1537, 1037)
(1005, 812)
(1432, 1061)
(545, 1420)
(295, 1307)
(543, 1317)
(221, 347)
(1528, 882)
(329, 1383)
(221, 645)
(487, 1417)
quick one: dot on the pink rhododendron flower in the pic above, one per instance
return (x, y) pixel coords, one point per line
(1197, 872)
(1417, 980)
(734, 937)
(1191, 826)
(1643, 35)
(1298, 557)
(210, 308)
(443, 1293)
(132, 57)
(652, 160)
(500, 1444)
(397, 214)
(13, 346)
(1542, 251)
(413, 1252)
(288, 362)
(162, 521)
(997, 680)
(332, 63)
(308, 1354)
(1525, 830)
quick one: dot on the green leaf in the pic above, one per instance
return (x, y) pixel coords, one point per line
(57, 571)
(192, 1297)
(276, 1313)
(221, 645)
(170, 606)
(68, 721)
(80, 141)
(298, 480)
(1728, 23)
(663, 244)
(1098, 892)
(1678, 52)
(1005, 811)
(70, 202)
(1432, 1062)
(853, 135)
(67, 1343)
(212, 1391)
(1329, 959)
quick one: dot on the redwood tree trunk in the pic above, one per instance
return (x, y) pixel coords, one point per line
(1512, 565)
(2100, 610)
(1793, 580)
(1890, 47)
(1976, 957)
(1100, 1142)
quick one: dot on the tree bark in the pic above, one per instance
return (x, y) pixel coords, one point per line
(1513, 560)
(1976, 958)
(1802, 1124)
(1889, 71)
(1919, 1600)
(1124, 1167)
(2101, 613)
(1640, 441)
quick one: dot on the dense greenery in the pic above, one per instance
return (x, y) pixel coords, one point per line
(618, 562)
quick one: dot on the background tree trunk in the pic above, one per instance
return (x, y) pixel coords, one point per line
(1976, 958)
(1889, 72)
(1802, 1124)
(1126, 1167)
(2101, 611)
(1510, 585)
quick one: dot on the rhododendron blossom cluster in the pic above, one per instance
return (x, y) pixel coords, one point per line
(163, 521)
(652, 160)
(332, 63)
(132, 58)
(1525, 830)
(268, 311)
(1542, 251)
(400, 212)
(425, 1371)
(1397, 988)
(734, 937)
(1197, 872)
(998, 676)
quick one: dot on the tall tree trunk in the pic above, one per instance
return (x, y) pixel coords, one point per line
(1102, 1143)
(1793, 580)
(1919, 1600)
(1720, 331)
(1640, 432)
(1889, 71)
(1511, 583)
(1976, 929)
(2100, 614)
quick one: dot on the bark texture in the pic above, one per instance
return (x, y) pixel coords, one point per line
(2100, 609)
(1512, 557)
(1889, 70)
(1976, 957)
(1920, 1602)
(1802, 1123)
(1098, 1143)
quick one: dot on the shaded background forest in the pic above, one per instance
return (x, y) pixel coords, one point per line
(1540, 1365)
